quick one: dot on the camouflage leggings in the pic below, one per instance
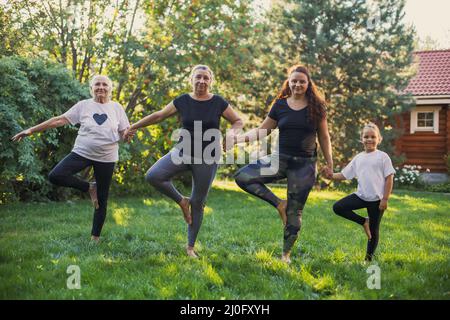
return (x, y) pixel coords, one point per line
(301, 175)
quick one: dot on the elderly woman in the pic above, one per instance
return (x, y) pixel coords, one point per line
(103, 123)
(299, 113)
(200, 113)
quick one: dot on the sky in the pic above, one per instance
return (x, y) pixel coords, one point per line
(430, 18)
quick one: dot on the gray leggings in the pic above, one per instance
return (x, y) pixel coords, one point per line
(161, 174)
(301, 175)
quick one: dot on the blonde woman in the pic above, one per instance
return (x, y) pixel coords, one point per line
(200, 112)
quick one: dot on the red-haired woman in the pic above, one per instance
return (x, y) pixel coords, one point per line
(299, 113)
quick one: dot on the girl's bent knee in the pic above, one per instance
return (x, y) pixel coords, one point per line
(337, 208)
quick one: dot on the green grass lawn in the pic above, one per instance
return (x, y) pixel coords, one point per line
(142, 253)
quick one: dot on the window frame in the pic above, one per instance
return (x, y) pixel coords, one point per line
(426, 109)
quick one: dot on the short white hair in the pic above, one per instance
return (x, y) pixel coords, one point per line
(108, 80)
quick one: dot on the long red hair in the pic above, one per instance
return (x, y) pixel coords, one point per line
(316, 101)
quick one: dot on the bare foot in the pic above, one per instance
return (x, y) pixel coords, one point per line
(95, 239)
(93, 194)
(282, 211)
(367, 229)
(191, 253)
(185, 207)
(286, 258)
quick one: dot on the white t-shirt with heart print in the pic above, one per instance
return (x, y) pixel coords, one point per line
(100, 124)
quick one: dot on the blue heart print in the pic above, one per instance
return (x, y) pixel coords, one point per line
(100, 118)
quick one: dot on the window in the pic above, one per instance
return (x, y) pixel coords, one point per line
(425, 119)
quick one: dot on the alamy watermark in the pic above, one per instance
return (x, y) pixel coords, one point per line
(198, 146)
(376, 18)
(374, 280)
(74, 280)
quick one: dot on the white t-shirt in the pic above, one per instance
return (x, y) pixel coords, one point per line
(371, 170)
(98, 135)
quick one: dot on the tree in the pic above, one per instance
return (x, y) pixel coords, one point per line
(76, 33)
(178, 35)
(144, 44)
(427, 43)
(360, 57)
(11, 37)
(148, 48)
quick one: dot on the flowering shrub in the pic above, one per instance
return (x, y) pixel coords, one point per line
(408, 175)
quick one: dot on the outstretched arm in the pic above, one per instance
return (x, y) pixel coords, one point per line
(155, 117)
(54, 122)
(329, 174)
(258, 133)
(234, 119)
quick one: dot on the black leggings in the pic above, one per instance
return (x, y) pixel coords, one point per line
(63, 174)
(301, 175)
(345, 207)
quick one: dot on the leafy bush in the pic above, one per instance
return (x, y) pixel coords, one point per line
(33, 91)
(440, 187)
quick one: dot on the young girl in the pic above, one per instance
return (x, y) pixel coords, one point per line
(374, 171)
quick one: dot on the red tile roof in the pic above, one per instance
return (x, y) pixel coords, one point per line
(433, 76)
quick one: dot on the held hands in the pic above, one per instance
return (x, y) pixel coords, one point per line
(129, 134)
(327, 172)
(21, 135)
(228, 142)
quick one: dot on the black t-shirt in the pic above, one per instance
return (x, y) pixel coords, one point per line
(208, 112)
(297, 133)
